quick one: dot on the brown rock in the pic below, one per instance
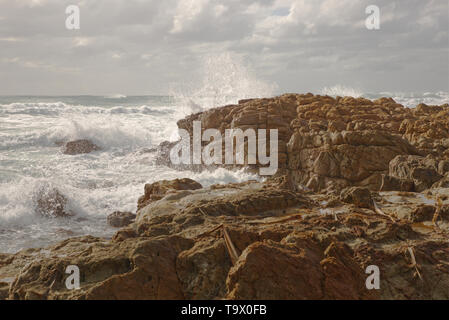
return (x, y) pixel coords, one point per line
(158, 190)
(132, 269)
(443, 167)
(390, 183)
(422, 170)
(329, 143)
(49, 202)
(79, 147)
(175, 251)
(4, 290)
(361, 197)
(444, 212)
(307, 272)
(257, 273)
(423, 213)
(119, 219)
(443, 183)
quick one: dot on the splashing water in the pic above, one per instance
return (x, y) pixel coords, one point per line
(342, 91)
(113, 178)
(225, 80)
(407, 99)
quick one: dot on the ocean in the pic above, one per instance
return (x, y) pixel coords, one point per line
(112, 179)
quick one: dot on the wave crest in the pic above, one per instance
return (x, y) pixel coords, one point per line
(342, 91)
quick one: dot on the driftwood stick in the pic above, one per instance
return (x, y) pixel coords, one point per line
(414, 264)
(230, 246)
(209, 232)
(283, 219)
(437, 211)
(379, 211)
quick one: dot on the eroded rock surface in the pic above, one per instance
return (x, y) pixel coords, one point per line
(327, 144)
(292, 249)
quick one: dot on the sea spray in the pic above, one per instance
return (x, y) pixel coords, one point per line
(225, 78)
(342, 91)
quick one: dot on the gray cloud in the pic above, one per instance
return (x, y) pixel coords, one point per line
(142, 47)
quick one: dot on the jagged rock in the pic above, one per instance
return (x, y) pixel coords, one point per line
(158, 190)
(315, 273)
(79, 147)
(361, 197)
(390, 183)
(175, 251)
(120, 219)
(49, 202)
(423, 171)
(202, 270)
(328, 143)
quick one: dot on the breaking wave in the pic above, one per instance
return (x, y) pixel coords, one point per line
(341, 91)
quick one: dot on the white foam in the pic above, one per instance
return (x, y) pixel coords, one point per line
(342, 91)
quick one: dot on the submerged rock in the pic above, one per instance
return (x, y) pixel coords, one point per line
(120, 219)
(79, 147)
(49, 202)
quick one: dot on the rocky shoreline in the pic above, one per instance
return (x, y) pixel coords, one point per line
(360, 183)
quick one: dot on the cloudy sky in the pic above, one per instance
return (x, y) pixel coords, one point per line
(144, 46)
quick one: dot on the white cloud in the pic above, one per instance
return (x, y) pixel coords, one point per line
(186, 13)
(82, 41)
(11, 39)
(285, 40)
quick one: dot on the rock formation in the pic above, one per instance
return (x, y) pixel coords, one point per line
(79, 147)
(327, 144)
(361, 183)
(50, 202)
